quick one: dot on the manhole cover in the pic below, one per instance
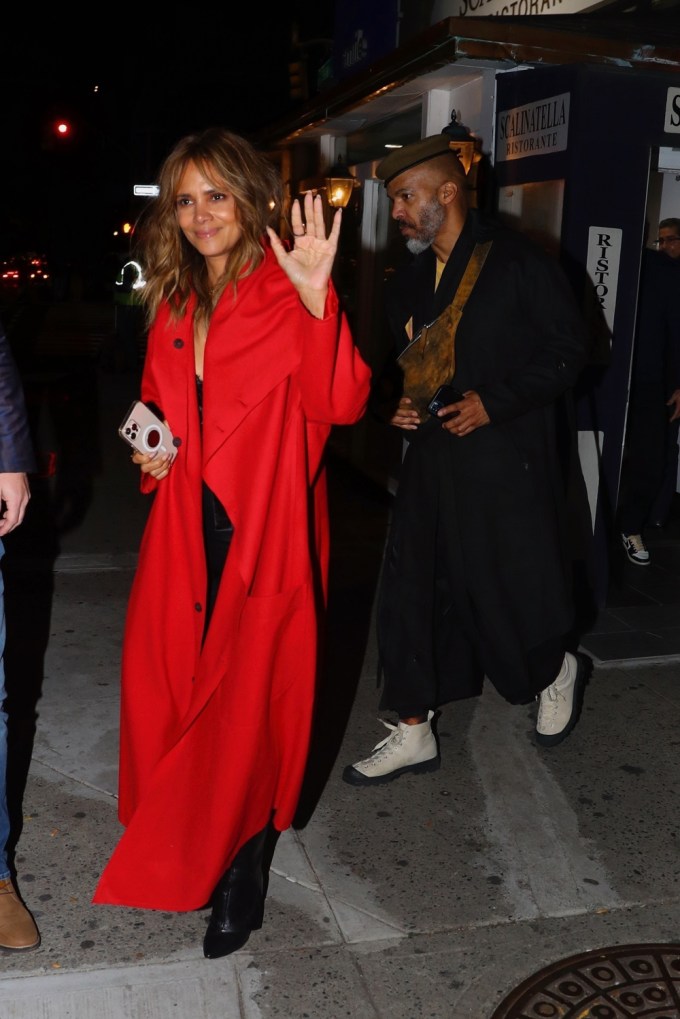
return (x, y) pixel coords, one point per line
(621, 982)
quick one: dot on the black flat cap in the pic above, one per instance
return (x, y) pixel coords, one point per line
(411, 155)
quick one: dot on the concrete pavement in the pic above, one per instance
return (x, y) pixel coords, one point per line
(429, 898)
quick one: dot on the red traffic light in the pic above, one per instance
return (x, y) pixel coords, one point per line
(63, 128)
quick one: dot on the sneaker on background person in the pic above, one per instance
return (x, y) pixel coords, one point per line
(636, 550)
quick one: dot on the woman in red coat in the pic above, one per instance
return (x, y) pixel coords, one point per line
(250, 362)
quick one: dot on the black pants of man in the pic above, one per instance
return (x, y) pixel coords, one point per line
(645, 457)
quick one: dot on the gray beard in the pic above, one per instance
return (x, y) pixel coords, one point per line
(415, 245)
(431, 220)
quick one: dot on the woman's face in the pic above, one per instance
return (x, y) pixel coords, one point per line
(208, 218)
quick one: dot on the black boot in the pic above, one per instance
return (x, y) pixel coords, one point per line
(238, 900)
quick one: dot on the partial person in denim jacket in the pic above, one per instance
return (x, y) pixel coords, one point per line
(18, 931)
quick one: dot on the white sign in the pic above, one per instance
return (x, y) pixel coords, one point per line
(672, 122)
(604, 252)
(478, 8)
(150, 190)
(533, 130)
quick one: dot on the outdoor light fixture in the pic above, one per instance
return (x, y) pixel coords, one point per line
(462, 142)
(340, 184)
(337, 182)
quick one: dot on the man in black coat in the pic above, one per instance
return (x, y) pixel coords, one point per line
(477, 574)
(652, 429)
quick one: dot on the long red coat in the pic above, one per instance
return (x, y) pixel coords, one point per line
(215, 739)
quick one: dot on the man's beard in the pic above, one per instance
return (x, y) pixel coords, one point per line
(431, 220)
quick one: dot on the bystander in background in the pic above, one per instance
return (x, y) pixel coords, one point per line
(650, 462)
(18, 931)
(129, 318)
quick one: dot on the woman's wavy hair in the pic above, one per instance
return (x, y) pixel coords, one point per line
(172, 266)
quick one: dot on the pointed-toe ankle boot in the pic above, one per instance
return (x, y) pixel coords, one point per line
(238, 901)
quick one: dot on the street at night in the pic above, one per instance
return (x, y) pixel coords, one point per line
(513, 875)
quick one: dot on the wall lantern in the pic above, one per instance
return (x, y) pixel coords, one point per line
(340, 184)
(462, 142)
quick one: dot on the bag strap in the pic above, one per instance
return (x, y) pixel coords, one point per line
(471, 274)
(454, 310)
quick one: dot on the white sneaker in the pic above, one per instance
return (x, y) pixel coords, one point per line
(636, 550)
(407, 748)
(559, 704)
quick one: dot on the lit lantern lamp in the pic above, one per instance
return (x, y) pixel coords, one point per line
(339, 185)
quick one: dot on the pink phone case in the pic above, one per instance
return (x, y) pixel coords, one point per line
(144, 431)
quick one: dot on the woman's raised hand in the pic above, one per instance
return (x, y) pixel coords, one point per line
(308, 265)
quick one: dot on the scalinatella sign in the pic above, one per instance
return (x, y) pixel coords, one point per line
(533, 130)
(672, 119)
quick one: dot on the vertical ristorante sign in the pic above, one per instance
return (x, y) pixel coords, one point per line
(604, 253)
(536, 129)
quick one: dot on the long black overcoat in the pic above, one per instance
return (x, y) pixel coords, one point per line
(477, 572)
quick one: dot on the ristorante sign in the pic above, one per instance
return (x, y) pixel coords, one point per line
(533, 130)
(461, 8)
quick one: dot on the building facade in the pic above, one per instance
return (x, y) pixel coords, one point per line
(577, 125)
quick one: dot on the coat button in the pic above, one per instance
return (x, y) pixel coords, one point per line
(177, 442)
(178, 343)
(198, 606)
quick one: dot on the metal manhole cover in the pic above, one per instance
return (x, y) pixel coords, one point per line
(621, 982)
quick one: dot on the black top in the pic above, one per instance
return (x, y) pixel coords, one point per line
(199, 394)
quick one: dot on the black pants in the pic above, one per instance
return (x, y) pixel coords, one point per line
(217, 534)
(432, 650)
(644, 463)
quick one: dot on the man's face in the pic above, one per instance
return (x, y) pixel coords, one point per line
(416, 208)
(668, 241)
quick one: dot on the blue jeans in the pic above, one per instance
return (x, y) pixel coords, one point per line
(4, 816)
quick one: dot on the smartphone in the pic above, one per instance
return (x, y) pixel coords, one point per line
(144, 431)
(444, 396)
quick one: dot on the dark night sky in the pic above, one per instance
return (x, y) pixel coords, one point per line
(161, 72)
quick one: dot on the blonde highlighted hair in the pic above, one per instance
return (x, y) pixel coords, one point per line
(172, 266)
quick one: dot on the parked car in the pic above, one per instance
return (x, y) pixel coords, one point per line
(28, 269)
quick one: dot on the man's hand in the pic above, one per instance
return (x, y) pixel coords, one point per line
(14, 493)
(405, 416)
(674, 402)
(466, 415)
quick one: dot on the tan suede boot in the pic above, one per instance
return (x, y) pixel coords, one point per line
(18, 932)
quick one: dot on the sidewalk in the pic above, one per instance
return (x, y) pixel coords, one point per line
(429, 898)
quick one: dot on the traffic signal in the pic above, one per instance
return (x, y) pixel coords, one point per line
(297, 76)
(58, 133)
(62, 128)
